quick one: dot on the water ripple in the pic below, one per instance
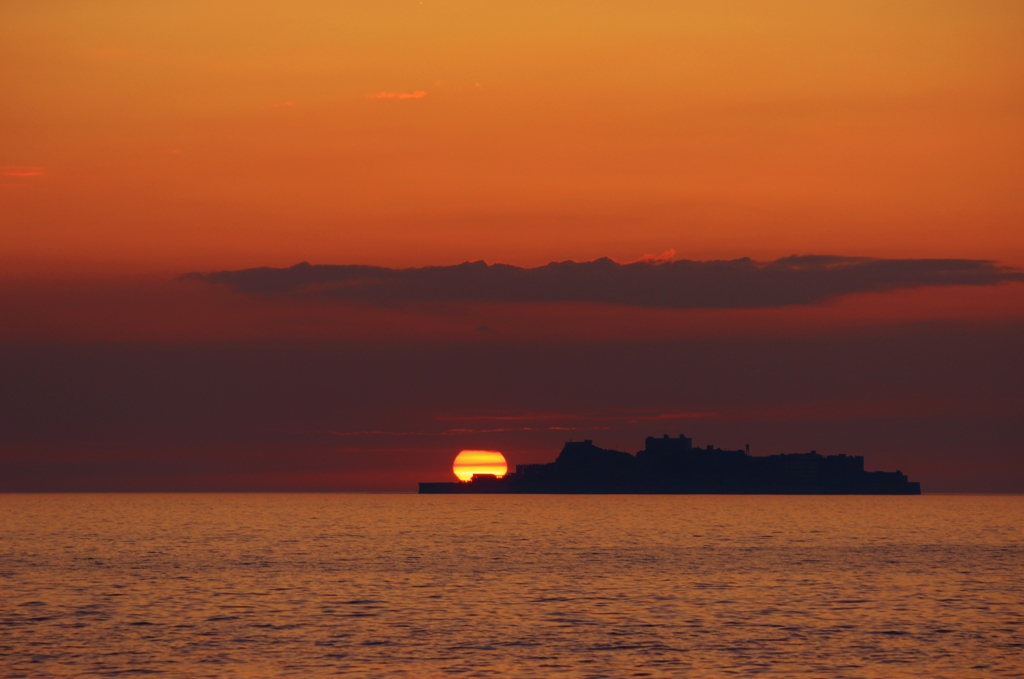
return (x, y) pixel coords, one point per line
(410, 586)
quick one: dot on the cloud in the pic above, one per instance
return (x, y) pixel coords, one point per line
(655, 283)
(22, 171)
(666, 256)
(418, 94)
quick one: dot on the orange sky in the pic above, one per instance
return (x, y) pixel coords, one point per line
(170, 136)
(143, 140)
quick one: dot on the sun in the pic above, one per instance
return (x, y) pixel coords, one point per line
(470, 462)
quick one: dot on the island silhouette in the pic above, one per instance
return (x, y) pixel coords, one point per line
(673, 466)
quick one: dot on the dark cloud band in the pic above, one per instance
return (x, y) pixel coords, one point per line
(739, 283)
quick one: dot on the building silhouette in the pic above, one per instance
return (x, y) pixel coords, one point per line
(673, 466)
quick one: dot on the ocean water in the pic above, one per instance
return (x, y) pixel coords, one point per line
(519, 586)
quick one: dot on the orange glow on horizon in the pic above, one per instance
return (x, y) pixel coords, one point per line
(470, 462)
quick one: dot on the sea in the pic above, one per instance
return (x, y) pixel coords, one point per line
(402, 585)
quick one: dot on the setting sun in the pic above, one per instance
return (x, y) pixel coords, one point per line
(470, 462)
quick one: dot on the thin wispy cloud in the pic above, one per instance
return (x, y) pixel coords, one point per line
(576, 416)
(462, 431)
(536, 422)
(418, 94)
(22, 171)
(652, 283)
(666, 256)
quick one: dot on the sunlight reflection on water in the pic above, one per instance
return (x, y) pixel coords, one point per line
(407, 585)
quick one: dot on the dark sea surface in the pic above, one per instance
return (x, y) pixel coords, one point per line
(519, 586)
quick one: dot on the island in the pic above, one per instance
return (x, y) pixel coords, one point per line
(673, 466)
